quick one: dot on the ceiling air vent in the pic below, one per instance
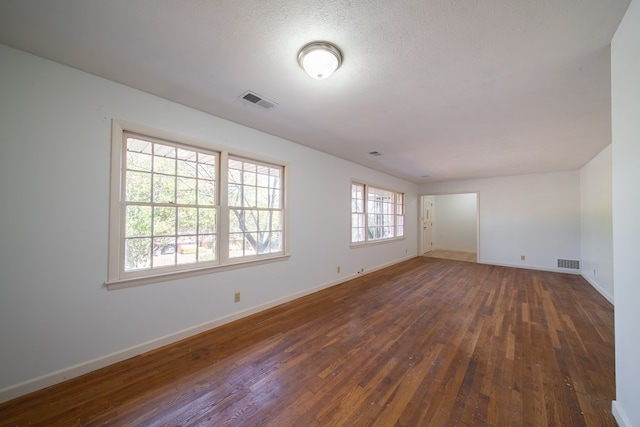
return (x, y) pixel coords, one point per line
(256, 99)
(569, 263)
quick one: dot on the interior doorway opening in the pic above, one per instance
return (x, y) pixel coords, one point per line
(450, 226)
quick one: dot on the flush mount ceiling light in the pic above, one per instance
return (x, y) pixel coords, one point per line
(320, 59)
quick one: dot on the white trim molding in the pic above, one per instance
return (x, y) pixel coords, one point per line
(65, 374)
(598, 288)
(620, 415)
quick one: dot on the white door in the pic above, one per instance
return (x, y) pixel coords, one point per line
(427, 224)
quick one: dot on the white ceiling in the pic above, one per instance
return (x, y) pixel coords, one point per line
(449, 89)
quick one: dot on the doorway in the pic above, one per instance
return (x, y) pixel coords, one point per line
(450, 226)
(427, 224)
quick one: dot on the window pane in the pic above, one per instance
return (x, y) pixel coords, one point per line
(249, 176)
(263, 176)
(139, 154)
(249, 197)
(236, 247)
(235, 176)
(187, 165)
(206, 250)
(186, 191)
(276, 199)
(207, 221)
(276, 221)
(164, 189)
(263, 198)
(206, 192)
(164, 251)
(250, 220)
(264, 220)
(164, 221)
(137, 254)
(139, 161)
(187, 221)
(276, 242)
(270, 242)
(138, 187)
(235, 195)
(164, 159)
(235, 164)
(206, 170)
(254, 195)
(274, 180)
(138, 221)
(400, 204)
(357, 220)
(187, 249)
(250, 243)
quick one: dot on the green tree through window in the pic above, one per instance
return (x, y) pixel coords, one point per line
(376, 214)
(172, 213)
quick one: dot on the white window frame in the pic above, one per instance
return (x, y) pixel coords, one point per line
(117, 276)
(397, 212)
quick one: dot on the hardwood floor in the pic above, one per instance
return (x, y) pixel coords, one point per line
(428, 342)
(453, 255)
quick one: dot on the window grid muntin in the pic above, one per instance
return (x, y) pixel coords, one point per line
(399, 214)
(254, 191)
(358, 220)
(188, 248)
(383, 214)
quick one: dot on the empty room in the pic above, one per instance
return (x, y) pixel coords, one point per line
(227, 213)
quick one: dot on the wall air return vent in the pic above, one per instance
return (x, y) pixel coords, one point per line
(569, 263)
(258, 100)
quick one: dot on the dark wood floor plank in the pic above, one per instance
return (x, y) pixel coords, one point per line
(428, 342)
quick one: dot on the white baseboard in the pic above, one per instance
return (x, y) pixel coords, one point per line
(558, 270)
(598, 288)
(620, 415)
(65, 374)
(533, 267)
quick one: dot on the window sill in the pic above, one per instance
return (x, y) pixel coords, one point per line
(113, 285)
(375, 242)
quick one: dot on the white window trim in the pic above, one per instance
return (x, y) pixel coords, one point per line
(118, 280)
(367, 242)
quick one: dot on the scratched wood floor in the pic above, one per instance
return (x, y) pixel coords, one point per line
(428, 342)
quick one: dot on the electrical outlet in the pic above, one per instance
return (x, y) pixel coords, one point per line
(236, 297)
(338, 269)
(522, 257)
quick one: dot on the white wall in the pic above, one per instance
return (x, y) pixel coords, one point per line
(625, 120)
(596, 227)
(537, 216)
(455, 222)
(56, 317)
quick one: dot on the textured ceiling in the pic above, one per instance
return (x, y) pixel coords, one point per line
(449, 89)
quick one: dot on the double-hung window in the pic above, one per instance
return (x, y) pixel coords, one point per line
(169, 209)
(172, 214)
(255, 208)
(376, 214)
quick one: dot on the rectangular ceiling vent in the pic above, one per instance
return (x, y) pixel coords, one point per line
(258, 100)
(569, 263)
